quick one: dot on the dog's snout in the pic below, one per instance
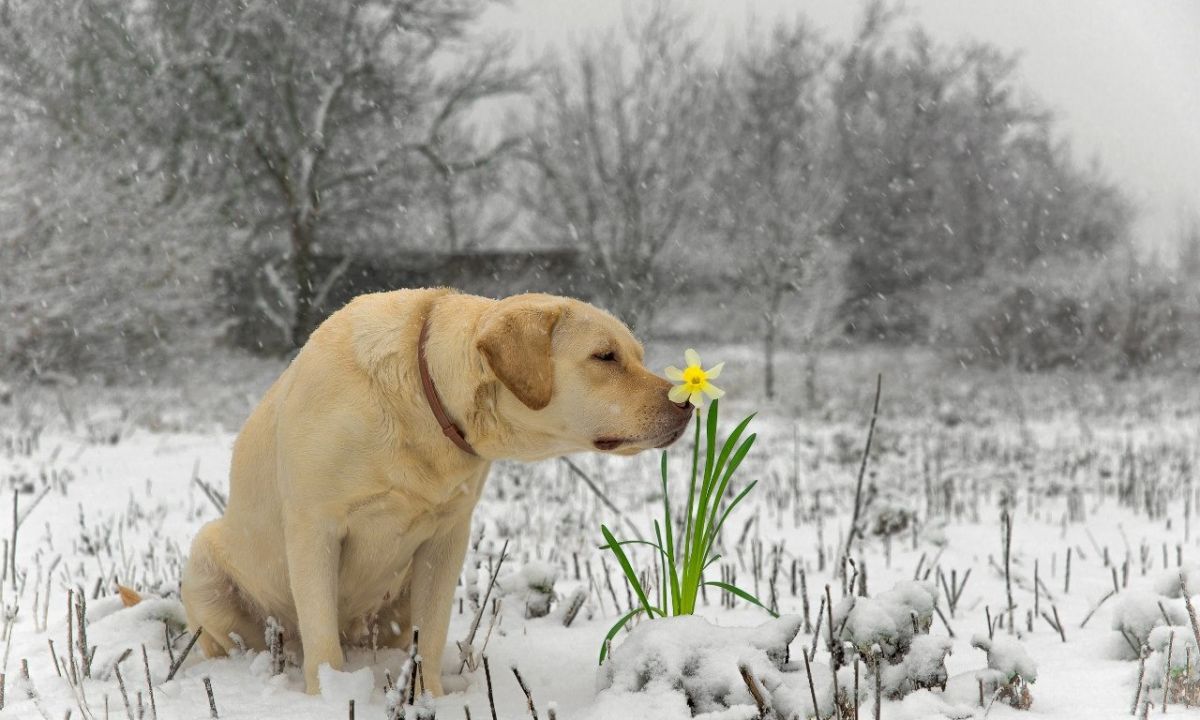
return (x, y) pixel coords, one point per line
(685, 405)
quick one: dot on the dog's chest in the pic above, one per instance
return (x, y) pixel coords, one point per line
(385, 530)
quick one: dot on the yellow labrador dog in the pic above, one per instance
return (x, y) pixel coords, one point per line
(353, 481)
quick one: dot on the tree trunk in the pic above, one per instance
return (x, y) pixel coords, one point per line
(303, 237)
(770, 333)
(810, 379)
(769, 357)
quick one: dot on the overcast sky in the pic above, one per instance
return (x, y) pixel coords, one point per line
(1123, 75)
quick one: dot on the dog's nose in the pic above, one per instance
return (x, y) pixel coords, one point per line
(685, 405)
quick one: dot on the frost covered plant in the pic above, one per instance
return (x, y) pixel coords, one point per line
(890, 633)
(1138, 613)
(1173, 661)
(1010, 670)
(890, 620)
(691, 655)
(532, 587)
(685, 553)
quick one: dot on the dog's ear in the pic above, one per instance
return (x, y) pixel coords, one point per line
(516, 343)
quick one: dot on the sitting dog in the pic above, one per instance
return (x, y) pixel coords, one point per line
(353, 481)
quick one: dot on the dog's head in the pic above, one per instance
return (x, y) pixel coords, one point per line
(571, 378)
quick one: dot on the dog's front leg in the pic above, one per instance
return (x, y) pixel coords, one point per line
(436, 567)
(313, 555)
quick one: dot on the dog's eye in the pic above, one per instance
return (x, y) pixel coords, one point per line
(609, 356)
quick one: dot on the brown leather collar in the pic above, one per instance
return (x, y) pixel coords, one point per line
(449, 429)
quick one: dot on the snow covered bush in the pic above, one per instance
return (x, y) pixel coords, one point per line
(531, 587)
(923, 667)
(1173, 660)
(689, 656)
(1138, 613)
(889, 632)
(1010, 671)
(1167, 583)
(890, 514)
(889, 620)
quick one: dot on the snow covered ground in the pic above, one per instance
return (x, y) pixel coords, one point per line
(121, 507)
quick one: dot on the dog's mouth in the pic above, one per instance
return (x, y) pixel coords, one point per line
(609, 444)
(672, 436)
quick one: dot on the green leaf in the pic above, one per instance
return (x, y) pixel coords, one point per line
(656, 546)
(669, 582)
(706, 505)
(731, 443)
(612, 632)
(686, 538)
(670, 569)
(715, 528)
(733, 466)
(710, 447)
(742, 594)
(627, 567)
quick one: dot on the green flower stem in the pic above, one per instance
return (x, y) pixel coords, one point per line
(682, 562)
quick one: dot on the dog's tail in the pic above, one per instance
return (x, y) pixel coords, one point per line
(129, 596)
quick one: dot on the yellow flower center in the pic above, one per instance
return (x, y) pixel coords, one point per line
(694, 378)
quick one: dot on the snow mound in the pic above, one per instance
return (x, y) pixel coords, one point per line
(1167, 583)
(890, 619)
(923, 667)
(1009, 672)
(1177, 641)
(340, 688)
(1137, 613)
(119, 632)
(690, 658)
(1007, 656)
(531, 587)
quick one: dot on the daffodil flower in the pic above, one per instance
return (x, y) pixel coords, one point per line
(695, 381)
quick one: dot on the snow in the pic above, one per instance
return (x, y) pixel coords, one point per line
(126, 512)
(1138, 612)
(339, 688)
(531, 587)
(1007, 656)
(702, 660)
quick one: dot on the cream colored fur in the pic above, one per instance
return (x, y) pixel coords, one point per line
(347, 502)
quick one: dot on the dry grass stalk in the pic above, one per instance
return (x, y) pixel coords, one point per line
(528, 695)
(149, 684)
(1141, 685)
(124, 692)
(179, 661)
(487, 674)
(756, 691)
(855, 530)
(212, 701)
(1167, 672)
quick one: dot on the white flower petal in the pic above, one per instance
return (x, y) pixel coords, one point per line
(697, 399)
(692, 357)
(713, 391)
(674, 373)
(715, 371)
(678, 393)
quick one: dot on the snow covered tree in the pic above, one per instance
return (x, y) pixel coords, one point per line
(780, 187)
(619, 151)
(309, 121)
(950, 175)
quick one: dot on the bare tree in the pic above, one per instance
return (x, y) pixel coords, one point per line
(620, 154)
(781, 186)
(313, 120)
(341, 100)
